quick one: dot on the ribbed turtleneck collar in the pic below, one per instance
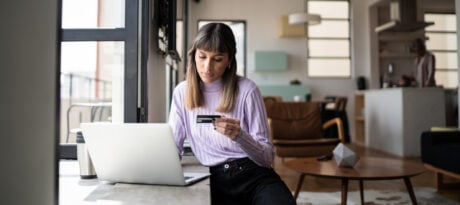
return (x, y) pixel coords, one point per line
(215, 86)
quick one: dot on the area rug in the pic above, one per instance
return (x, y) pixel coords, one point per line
(424, 195)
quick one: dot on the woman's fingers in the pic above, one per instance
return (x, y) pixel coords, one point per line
(228, 126)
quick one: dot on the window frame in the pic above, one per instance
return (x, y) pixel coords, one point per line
(129, 35)
(135, 61)
(434, 51)
(349, 39)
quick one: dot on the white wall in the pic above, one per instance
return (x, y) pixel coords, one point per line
(28, 101)
(156, 77)
(262, 17)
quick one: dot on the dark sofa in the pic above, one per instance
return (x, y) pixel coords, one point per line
(441, 153)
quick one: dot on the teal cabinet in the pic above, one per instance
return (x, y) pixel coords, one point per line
(287, 92)
(270, 61)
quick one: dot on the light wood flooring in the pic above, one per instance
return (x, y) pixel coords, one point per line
(427, 179)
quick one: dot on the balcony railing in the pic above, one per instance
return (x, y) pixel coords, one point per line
(83, 99)
(78, 86)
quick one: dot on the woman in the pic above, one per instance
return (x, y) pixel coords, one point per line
(424, 65)
(236, 146)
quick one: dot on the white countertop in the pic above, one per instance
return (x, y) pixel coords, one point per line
(73, 190)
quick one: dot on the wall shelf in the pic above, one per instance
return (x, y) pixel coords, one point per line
(394, 49)
(287, 30)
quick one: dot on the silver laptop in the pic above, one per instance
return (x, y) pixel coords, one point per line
(142, 153)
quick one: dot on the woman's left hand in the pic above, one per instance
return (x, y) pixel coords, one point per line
(229, 127)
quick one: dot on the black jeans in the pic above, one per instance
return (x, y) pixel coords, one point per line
(241, 182)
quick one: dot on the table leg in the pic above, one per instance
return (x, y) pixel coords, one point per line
(344, 191)
(361, 191)
(299, 185)
(410, 190)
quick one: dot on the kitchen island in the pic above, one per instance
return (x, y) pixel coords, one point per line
(396, 117)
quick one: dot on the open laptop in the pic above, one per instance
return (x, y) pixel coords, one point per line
(142, 153)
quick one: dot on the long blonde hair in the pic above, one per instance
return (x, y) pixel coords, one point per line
(213, 37)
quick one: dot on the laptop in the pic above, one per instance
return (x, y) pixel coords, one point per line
(141, 153)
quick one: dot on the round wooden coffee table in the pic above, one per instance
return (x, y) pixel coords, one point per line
(367, 168)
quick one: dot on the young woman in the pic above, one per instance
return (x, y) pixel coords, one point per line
(235, 146)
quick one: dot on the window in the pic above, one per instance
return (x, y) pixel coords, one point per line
(97, 14)
(442, 42)
(99, 64)
(329, 41)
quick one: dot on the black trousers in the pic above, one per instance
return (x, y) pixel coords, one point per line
(243, 182)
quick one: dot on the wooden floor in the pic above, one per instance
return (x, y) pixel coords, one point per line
(315, 184)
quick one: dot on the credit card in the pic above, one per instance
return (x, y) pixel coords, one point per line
(206, 118)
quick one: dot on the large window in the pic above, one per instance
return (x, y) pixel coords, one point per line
(329, 42)
(442, 42)
(99, 64)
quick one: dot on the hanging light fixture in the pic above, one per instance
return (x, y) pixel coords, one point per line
(304, 18)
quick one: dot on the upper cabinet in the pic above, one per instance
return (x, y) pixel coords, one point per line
(270, 60)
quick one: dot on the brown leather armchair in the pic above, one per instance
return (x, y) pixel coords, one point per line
(268, 100)
(296, 129)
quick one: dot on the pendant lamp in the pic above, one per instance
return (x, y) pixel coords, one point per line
(304, 17)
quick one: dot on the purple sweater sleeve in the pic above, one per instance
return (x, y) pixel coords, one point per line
(255, 142)
(177, 119)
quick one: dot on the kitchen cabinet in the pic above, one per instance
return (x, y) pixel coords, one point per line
(396, 117)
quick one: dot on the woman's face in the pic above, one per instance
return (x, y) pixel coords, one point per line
(211, 66)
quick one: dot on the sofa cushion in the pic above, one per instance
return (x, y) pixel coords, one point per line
(442, 150)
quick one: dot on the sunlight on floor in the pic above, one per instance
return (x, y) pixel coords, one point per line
(72, 189)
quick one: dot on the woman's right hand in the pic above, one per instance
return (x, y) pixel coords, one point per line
(229, 127)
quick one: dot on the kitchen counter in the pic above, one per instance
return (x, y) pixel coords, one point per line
(396, 117)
